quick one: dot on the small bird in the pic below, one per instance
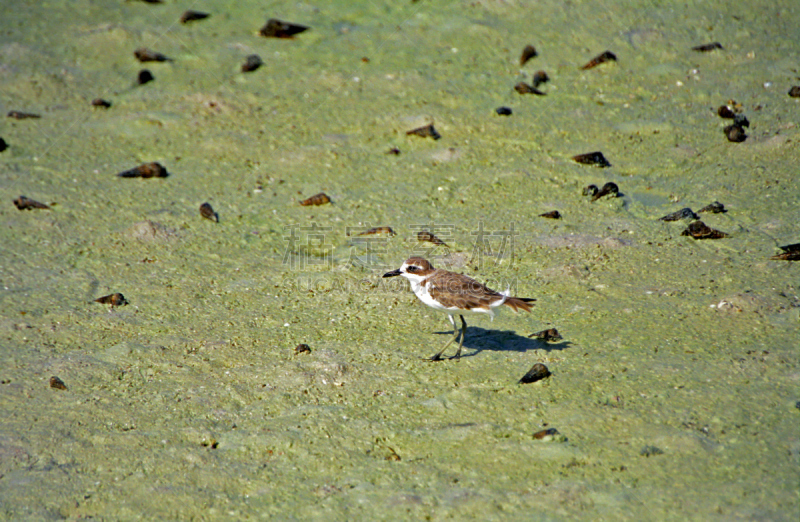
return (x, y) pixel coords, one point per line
(454, 294)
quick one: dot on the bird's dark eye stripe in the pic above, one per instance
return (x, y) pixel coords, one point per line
(412, 268)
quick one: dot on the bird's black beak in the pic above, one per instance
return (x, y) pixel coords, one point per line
(392, 273)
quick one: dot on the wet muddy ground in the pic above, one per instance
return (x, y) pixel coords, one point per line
(674, 390)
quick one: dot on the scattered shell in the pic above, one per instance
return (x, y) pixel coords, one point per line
(191, 16)
(302, 348)
(207, 211)
(609, 188)
(315, 200)
(251, 63)
(725, 111)
(650, 451)
(115, 299)
(503, 111)
(540, 77)
(740, 120)
(538, 372)
(24, 203)
(700, 230)
(790, 253)
(275, 28)
(378, 230)
(590, 190)
(549, 335)
(527, 53)
(57, 383)
(684, 213)
(553, 214)
(426, 131)
(547, 434)
(100, 102)
(707, 47)
(3, 145)
(605, 56)
(524, 88)
(144, 76)
(393, 150)
(735, 133)
(596, 159)
(143, 54)
(715, 208)
(430, 238)
(794, 92)
(145, 170)
(19, 115)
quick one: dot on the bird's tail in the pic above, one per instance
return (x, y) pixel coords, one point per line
(519, 303)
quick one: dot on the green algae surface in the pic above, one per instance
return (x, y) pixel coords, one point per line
(674, 391)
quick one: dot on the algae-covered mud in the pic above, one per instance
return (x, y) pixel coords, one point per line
(675, 391)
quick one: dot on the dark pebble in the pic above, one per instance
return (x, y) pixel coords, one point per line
(100, 102)
(741, 120)
(714, 208)
(428, 237)
(57, 383)
(503, 111)
(19, 115)
(538, 372)
(145, 170)
(426, 131)
(700, 230)
(545, 434)
(3, 145)
(794, 92)
(144, 76)
(650, 451)
(115, 299)
(590, 190)
(549, 335)
(23, 203)
(394, 150)
(596, 159)
(208, 212)
(540, 77)
(724, 111)
(302, 348)
(378, 230)
(606, 56)
(144, 54)
(553, 214)
(192, 16)
(524, 88)
(251, 63)
(790, 253)
(316, 200)
(609, 189)
(735, 133)
(684, 213)
(527, 53)
(707, 47)
(275, 28)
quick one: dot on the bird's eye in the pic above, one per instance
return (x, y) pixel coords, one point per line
(412, 269)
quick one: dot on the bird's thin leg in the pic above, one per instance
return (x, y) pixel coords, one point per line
(438, 356)
(463, 333)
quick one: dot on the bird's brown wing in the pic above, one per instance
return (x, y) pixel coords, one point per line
(456, 290)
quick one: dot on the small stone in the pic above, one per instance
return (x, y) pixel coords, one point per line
(302, 348)
(538, 372)
(503, 111)
(57, 383)
(684, 213)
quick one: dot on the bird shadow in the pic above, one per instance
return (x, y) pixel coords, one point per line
(482, 339)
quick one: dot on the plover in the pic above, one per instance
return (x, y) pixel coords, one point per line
(455, 294)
